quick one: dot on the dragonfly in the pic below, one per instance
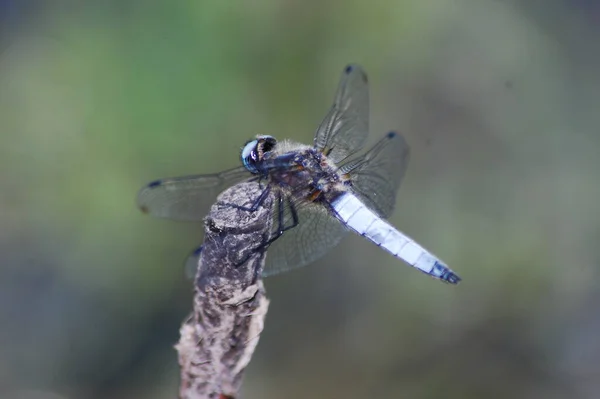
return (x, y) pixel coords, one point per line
(319, 191)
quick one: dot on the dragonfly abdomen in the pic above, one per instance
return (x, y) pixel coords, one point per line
(350, 210)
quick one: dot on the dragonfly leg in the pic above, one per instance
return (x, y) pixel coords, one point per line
(260, 179)
(294, 213)
(281, 227)
(257, 202)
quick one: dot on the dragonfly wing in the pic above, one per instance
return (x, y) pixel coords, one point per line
(346, 126)
(316, 233)
(186, 198)
(191, 263)
(376, 176)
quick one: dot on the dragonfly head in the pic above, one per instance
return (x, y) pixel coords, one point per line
(254, 151)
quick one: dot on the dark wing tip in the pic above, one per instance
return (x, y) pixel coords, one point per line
(142, 196)
(191, 263)
(354, 67)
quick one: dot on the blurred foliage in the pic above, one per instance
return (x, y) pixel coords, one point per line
(498, 99)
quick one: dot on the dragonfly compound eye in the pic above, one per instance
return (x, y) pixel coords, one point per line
(250, 156)
(254, 151)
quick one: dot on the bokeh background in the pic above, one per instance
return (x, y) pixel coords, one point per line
(499, 100)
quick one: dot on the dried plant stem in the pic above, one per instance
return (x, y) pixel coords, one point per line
(230, 305)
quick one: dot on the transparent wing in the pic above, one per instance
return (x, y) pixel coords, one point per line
(346, 126)
(191, 263)
(376, 176)
(189, 197)
(316, 233)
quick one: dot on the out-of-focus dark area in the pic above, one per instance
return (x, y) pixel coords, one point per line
(499, 101)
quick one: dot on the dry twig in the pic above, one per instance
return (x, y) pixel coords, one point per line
(218, 339)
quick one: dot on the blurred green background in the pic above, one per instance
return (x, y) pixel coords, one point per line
(499, 101)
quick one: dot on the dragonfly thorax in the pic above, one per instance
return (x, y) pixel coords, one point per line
(307, 174)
